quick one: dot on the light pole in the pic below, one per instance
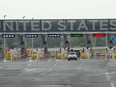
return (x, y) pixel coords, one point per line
(4, 17)
(23, 17)
(106, 40)
(4, 38)
(24, 33)
(32, 42)
(32, 37)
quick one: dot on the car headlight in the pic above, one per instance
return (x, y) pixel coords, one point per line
(74, 55)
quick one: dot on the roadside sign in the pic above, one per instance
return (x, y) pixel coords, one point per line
(31, 35)
(8, 35)
(113, 40)
(76, 35)
(99, 35)
(53, 35)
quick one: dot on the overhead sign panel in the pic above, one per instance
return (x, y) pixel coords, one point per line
(53, 35)
(8, 35)
(99, 35)
(31, 35)
(76, 35)
(58, 25)
(114, 40)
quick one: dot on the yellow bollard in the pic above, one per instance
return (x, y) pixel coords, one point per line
(113, 55)
(12, 56)
(37, 56)
(56, 54)
(31, 56)
(62, 55)
(65, 55)
(88, 55)
(106, 54)
(81, 54)
(5, 57)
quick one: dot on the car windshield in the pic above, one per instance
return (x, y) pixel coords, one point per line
(72, 53)
(76, 50)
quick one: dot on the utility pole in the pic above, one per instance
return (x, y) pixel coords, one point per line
(4, 38)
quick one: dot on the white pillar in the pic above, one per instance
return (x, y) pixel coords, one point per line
(4, 38)
(32, 42)
(106, 40)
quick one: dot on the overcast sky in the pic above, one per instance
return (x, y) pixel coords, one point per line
(58, 9)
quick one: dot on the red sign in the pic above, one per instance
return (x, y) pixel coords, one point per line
(99, 35)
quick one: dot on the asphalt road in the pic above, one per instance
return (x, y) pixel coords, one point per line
(96, 72)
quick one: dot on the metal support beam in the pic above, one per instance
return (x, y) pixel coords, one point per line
(88, 42)
(65, 43)
(22, 44)
(44, 42)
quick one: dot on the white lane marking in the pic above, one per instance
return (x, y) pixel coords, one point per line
(27, 67)
(109, 79)
(58, 60)
(68, 86)
(107, 76)
(0, 67)
(112, 84)
(59, 74)
(7, 61)
(29, 64)
(50, 69)
(80, 66)
(50, 60)
(53, 66)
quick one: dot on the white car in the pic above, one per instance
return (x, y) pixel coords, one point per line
(72, 56)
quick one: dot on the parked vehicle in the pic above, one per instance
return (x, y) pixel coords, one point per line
(72, 56)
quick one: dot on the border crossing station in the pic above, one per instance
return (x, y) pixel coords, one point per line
(64, 29)
(58, 53)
